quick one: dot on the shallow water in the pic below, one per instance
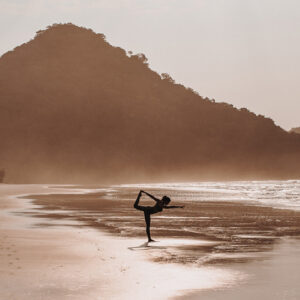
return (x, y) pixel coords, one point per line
(279, 194)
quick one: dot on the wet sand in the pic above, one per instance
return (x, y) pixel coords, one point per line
(240, 231)
(275, 277)
(70, 260)
(92, 246)
(38, 263)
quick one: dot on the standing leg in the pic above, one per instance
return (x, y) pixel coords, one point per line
(148, 220)
(146, 210)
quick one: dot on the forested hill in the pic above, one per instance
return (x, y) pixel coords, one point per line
(76, 109)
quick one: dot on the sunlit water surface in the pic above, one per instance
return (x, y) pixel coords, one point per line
(279, 194)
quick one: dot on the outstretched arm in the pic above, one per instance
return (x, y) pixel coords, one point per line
(174, 206)
(151, 196)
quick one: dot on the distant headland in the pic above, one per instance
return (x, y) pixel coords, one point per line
(76, 109)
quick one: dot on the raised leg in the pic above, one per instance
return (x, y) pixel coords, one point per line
(136, 203)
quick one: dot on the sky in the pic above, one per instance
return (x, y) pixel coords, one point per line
(243, 52)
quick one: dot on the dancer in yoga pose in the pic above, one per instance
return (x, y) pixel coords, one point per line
(149, 210)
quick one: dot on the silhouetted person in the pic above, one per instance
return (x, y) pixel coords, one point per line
(149, 210)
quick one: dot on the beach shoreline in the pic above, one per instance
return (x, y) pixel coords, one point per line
(239, 231)
(50, 236)
(78, 262)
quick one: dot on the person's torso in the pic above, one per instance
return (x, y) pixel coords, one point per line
(156, 208)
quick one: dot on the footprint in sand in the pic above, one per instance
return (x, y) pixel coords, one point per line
(123, 269)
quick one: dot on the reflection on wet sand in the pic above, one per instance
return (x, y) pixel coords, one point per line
(80, 262)
(201, 249)
(276, 277)
(236, 231)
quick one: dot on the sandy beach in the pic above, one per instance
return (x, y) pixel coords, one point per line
(62, 243)
(79, 262)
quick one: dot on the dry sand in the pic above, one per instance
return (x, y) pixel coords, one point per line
(69, 262)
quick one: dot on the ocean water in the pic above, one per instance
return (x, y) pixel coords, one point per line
(278, 194)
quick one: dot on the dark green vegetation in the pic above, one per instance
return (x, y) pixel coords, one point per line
(76, 109)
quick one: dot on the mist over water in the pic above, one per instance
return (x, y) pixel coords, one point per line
(279, 194)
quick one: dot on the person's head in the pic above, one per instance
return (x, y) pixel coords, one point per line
(166, 200)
